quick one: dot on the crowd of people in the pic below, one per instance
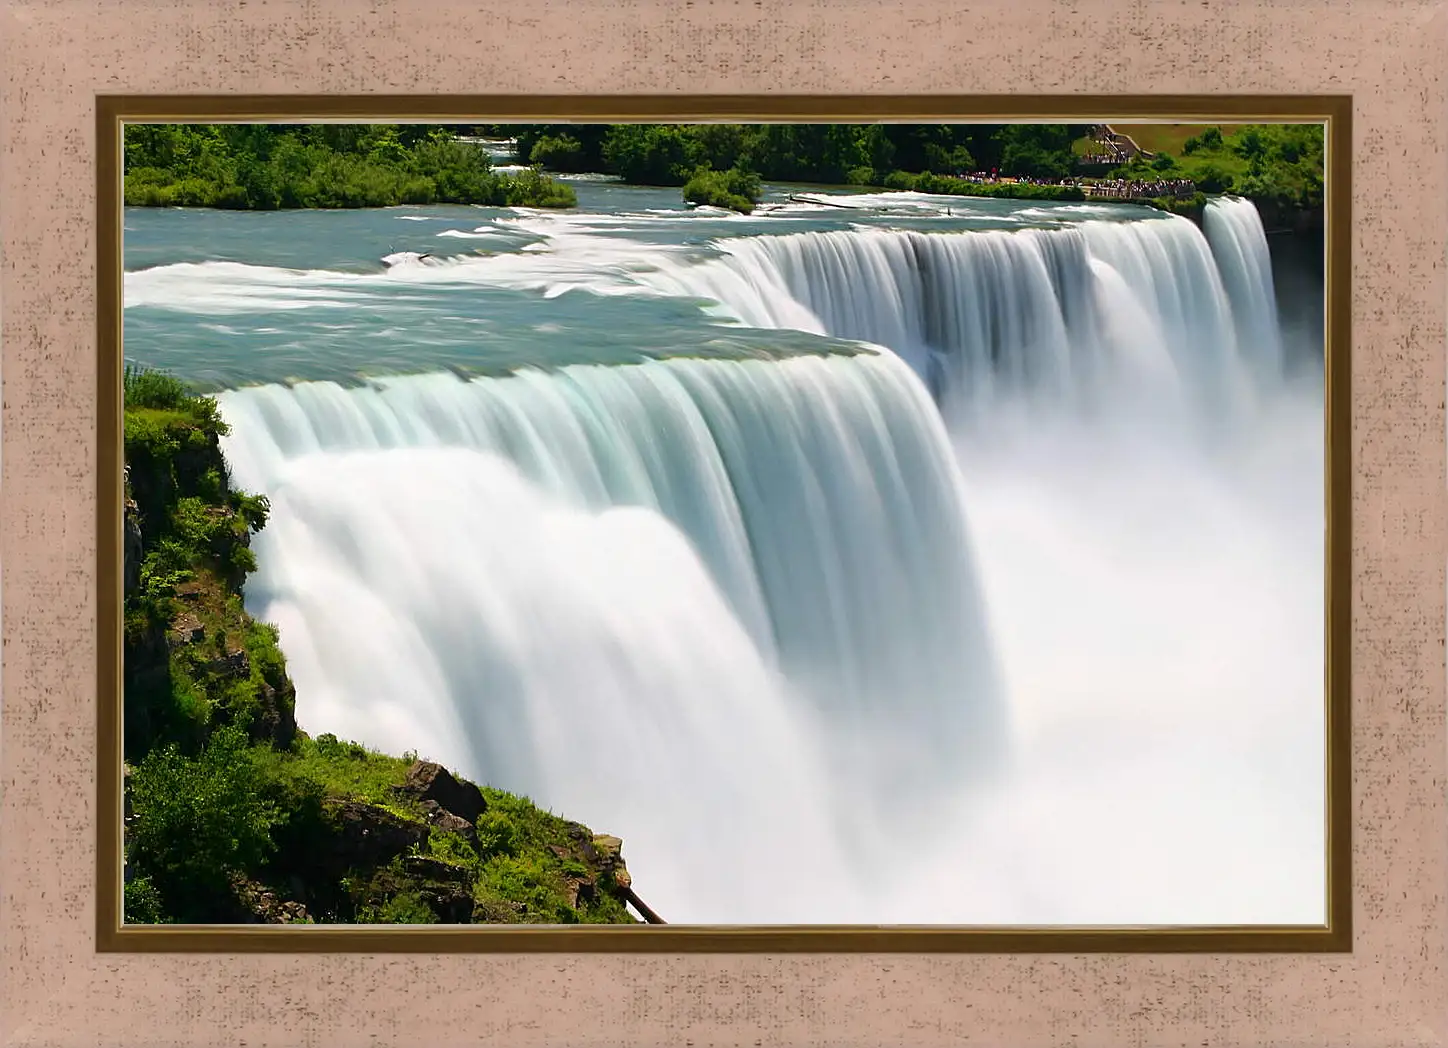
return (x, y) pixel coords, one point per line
(1128, 188)
(1111, 188)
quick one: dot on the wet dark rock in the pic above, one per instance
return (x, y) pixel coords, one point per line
(368, 835)
(261, 905)
(439, 818)
(445, 888)
(276, 717)
(234, 665)
(428, 781)
(131, 550)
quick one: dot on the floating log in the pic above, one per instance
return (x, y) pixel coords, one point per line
(819, 203)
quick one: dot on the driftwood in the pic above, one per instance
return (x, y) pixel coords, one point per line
(649, 916)
(818, 203)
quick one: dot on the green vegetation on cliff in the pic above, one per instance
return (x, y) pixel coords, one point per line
(233, 814)
(1279, 167)
(265, 167)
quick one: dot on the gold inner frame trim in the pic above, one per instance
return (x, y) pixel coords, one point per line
(1334, 111)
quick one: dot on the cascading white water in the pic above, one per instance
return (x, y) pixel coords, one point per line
(728, 609)
(1150, 552)
(1234, 230)
(1118, 316)
(630, 590)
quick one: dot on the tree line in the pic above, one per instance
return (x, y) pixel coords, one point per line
(270, 166)
(264, 166)
(831, 154)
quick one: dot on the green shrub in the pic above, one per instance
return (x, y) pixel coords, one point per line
(527, 879)
(533, 189)
(198, 822)
(560, 152)
(497, 834)
(733, 189)
(943, 185)
(145, 388)
(142, 902)
(402, 908)
(451, 848)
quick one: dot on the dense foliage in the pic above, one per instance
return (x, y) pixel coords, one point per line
(268, 166)
(1274, 165)
(833, 154)
(286, 166)
(1278, 166)
(733, 189)
(234, 813)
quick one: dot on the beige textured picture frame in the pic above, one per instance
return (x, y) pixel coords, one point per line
(57, 989)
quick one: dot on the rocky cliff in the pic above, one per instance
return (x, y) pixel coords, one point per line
(233, 814)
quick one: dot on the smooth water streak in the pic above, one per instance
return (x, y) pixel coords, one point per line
(885, 636)
(814, 503)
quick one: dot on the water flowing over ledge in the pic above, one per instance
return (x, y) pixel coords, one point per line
(733, 607)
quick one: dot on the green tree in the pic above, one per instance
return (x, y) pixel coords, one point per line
(1211, 178)
(878, 150)
(722, 146)
(559, 153)
(270, 166)
(1037, 150)
(385, 147)
(590, 139)
(735, 189)
(1209, 141)
(1250, 143)
(199, 821)
(652, 154)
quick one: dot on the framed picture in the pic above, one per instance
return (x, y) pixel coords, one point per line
(768, 528)
(1029, 864)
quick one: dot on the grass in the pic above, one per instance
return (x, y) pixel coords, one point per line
(342, 769)
(1166, 138)
(1279, 167)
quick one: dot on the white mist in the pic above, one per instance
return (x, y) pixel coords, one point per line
(816, 655)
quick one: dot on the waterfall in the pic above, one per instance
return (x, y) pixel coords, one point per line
(1239, 243)
(731, 609)
(1142, 319)
(653, 592)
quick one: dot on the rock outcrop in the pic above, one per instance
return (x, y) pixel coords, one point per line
(369, 835)
(260, 905)
(427, 781)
